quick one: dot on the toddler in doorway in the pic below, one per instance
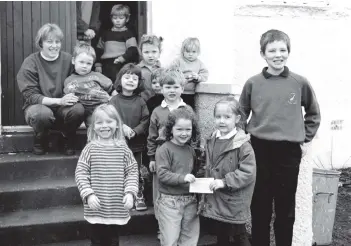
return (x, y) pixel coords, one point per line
(117, 46)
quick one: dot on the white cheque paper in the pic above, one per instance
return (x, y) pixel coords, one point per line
(201, 185)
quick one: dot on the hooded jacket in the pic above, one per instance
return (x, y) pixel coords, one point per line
(236, 166)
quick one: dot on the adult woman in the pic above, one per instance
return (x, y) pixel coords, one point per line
(40, 80)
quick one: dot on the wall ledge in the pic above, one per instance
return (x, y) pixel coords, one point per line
(294, 11)
(214, 88)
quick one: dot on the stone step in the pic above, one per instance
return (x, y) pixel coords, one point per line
(137, 240)
(23, 141)
(61, 224)
(38, 193)
(26, 166)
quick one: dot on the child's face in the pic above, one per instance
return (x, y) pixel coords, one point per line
(129, 82)
(105, 127)
(119, 21)
(182, 131)
(155, 85)
(276, 56)
(83, 63)
(191, 54)
(150, 53)
(225, 119)
(51, 46)
(172, 93)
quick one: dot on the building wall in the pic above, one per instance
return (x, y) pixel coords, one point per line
(229, 33)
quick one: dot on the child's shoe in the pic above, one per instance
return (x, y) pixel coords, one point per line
(140, 204)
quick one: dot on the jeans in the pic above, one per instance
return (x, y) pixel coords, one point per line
(179, 224)
(65, 118)
(104, 235)
(278, 165)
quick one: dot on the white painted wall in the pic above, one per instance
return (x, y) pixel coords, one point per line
(229, 32)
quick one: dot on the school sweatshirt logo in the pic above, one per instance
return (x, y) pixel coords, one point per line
(292, 98)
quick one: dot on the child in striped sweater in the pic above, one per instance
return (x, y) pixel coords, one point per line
(107, 177)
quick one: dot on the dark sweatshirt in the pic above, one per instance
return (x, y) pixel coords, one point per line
(275, 103)
(134, 113)
(39, 78)
(173, 163)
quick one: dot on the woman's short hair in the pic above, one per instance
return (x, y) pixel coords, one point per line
(45, 32)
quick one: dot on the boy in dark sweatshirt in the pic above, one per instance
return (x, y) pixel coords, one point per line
(279, 134)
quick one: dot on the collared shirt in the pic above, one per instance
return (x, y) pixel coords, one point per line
(227, 136)
(284, 74)
(164, 104)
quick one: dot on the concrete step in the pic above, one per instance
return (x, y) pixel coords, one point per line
(136, 240)
(26, 166)
(61, 224)
(38, 193)
(23, 141)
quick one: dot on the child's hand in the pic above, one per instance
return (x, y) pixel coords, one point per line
(152, 166)
(128, 201)
(189, 178)
(98, 69)
(114, 93)
(304, 148)
(90, 33)
(119, 59)
(132, 133)
(126, 131)
(195, 76)
(93, 202)
(216, 184)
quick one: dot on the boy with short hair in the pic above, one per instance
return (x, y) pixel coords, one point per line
(172, 83)
(279, 134)
(117, 45)
(91, 88)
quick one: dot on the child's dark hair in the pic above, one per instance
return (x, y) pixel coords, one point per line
(274, 35)
(235, 107)
(156, 74)
(187, 113)
(172, 76)
(129, 68)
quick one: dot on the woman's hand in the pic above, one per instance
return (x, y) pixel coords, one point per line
(152, 166)
(189, 178)
(68, 100)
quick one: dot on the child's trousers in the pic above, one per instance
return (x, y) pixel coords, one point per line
(178, 222)
(104, 235)
(226, 231)
(278, 164)
(139, 159)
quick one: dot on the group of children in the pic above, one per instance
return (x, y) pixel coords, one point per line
(121, 95)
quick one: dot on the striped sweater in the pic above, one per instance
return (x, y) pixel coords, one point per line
(109, 172)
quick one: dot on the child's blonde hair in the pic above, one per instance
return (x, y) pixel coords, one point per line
(120, 9)
(235, 107)
(190, 44)
(151, 39)
(46, 31)
(172, 76)
(84, 48)
(111, 111)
